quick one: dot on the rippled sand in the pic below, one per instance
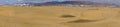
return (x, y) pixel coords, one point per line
(54, 16)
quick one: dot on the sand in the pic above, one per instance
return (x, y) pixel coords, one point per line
(50, 16)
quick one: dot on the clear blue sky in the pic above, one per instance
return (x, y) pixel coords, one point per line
(15, 1)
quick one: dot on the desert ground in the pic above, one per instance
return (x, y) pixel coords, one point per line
(59, 16)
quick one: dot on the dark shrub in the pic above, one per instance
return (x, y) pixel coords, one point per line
(67, 16)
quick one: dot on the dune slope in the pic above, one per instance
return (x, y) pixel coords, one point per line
(54, 16)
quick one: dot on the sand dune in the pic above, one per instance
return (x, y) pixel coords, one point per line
(50, 16)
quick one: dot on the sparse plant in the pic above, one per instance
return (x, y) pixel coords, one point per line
(66, 16)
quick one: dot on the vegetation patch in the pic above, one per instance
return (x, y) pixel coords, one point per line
(67, 16)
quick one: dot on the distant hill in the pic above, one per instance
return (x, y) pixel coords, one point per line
(66, 3)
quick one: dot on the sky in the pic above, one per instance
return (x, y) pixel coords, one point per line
(40, 1)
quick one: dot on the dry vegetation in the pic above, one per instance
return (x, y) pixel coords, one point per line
(55, 16)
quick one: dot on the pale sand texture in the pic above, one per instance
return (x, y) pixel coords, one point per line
(50, 16)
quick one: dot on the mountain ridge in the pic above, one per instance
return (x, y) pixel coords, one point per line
(79, 3)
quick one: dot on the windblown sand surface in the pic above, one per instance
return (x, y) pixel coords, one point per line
(54, 16)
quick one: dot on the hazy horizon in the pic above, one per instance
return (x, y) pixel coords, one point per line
(40, 1)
